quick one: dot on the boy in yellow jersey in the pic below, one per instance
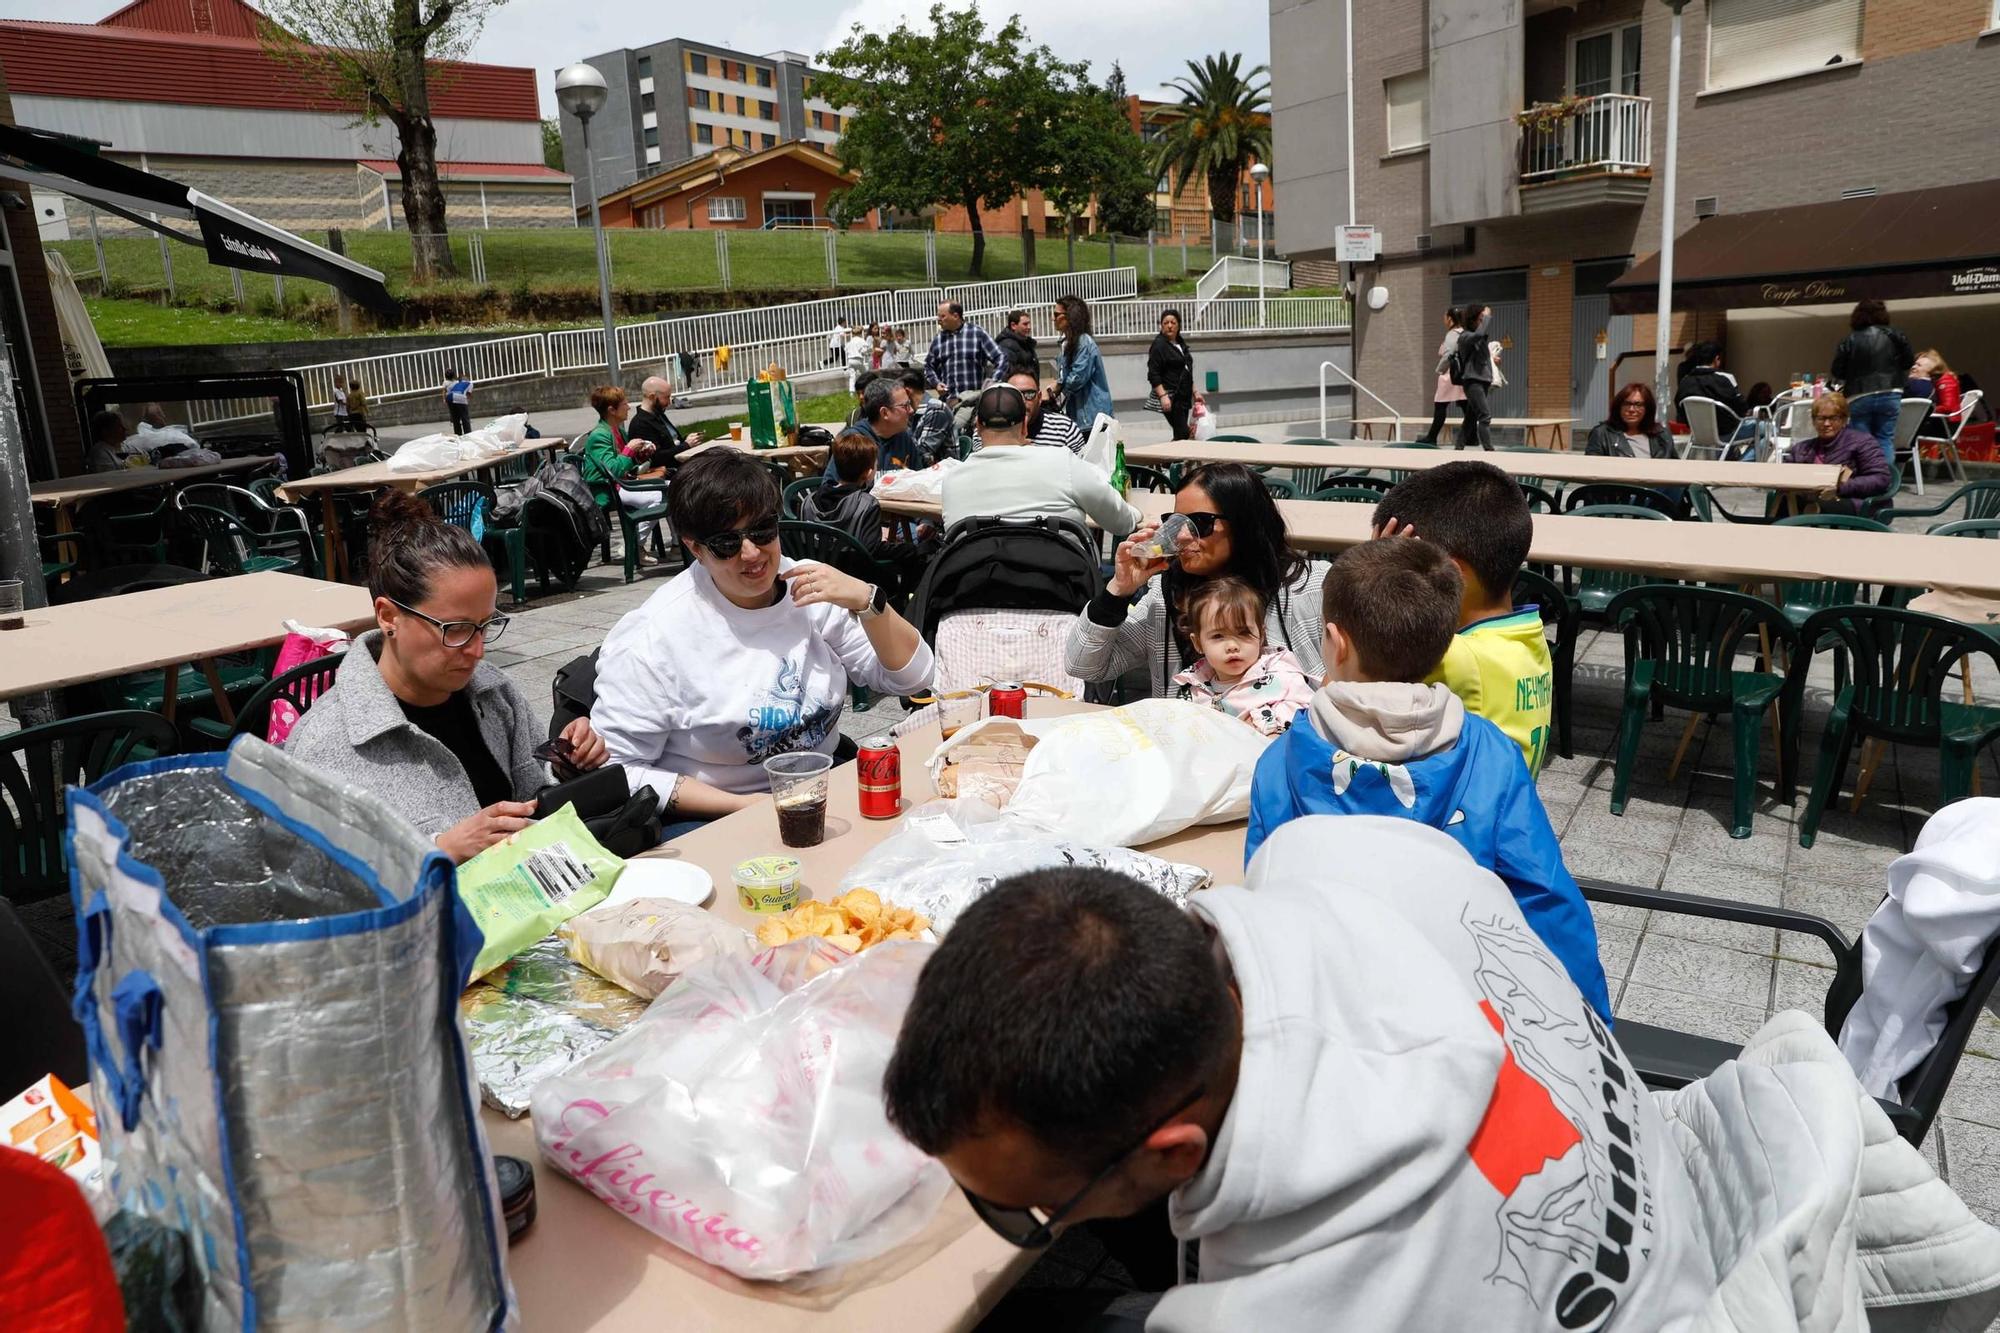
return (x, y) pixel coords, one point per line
(1498, 662)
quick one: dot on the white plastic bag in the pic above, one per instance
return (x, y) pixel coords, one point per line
(741, 1118)
(510, 430)
(1124, 777)
(924, 484)
(947, 854)
(1206, 423)
(1100, 450)
(427, 452)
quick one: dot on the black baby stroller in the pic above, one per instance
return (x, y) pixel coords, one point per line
(998, 601)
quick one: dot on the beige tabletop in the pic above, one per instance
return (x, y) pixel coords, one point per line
(193, 622)
(61, 491)
(812, 452)
(1561, 466)
(583, 1266)
(371, 476)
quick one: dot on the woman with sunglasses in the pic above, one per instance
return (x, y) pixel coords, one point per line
(1234, 529)
(415, 715)
(746, 655)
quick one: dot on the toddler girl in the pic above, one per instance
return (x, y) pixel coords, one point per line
(1237, 674)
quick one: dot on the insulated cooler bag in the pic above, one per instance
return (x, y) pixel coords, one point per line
(268, 977)
(774, 421)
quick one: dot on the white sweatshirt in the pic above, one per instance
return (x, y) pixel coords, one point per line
(1430, 1129)
(1017, 481)
(691, 683)
(1925, 943)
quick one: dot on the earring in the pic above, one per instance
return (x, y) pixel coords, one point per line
(389, 633)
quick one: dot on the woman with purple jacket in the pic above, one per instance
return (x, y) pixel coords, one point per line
(1864, 471)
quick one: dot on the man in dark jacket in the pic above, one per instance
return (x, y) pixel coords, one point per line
(846, 501)
(1702, 376)
(1017, 344)
(650, 422)
(1871, 366)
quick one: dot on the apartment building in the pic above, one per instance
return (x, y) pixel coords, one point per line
(1511, 152)
(1185, 214)
(678, 99)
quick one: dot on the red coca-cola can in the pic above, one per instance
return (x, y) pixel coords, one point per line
(878, 772)
(1006, 699)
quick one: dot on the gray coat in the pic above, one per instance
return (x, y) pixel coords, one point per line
(356, 732)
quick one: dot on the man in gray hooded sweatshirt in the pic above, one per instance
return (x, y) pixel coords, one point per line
(1363, 1083)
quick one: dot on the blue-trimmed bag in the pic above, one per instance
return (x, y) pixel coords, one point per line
(268, 978)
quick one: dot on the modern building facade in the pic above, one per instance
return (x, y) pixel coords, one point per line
(185, 88)
(1511, 151)
(678, 99)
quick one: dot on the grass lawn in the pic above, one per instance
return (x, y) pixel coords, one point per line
(132, 323)
(812, 412)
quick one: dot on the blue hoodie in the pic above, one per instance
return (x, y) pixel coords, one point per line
(1446, 768)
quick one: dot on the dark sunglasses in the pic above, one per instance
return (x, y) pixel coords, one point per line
(1032, 1229)
(725, 545)
(459, 633)
(1203, 524)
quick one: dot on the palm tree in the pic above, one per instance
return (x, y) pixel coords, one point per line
(1225, 125)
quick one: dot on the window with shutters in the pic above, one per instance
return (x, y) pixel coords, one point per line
(1756, 41)
(726, 208)
(1407, 97)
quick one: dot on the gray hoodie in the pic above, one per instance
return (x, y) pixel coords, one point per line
(1430, 1129)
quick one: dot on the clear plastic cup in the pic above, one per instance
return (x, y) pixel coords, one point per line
(957, 711)
(736, 431)
(1164, 544)
(799, 787)
(13, 604)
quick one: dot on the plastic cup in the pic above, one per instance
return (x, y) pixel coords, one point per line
(736, 431)
(1164, 544)
(958, 711)
(13, 604)
(799, 787)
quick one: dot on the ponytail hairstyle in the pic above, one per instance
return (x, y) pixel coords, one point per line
(408, 546)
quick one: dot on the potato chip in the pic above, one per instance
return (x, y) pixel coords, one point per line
(856, 920)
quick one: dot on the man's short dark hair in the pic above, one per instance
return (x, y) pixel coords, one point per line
(102, 422)
(1075, 1002)
(1475, 512)
(719, 490)
(913, 379)
(955, 308)
(855, 454)
(1028, 368)
(878, 394)
(1396, 600)
(1015, 316)
(1001, 407)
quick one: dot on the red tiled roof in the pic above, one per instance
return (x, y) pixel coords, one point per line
(528, 170)
(141, 64)
(224, 18)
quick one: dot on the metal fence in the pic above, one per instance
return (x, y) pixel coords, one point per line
(1102, 284)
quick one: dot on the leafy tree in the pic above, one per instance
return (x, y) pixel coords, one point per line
(1093, 154)
(1225, 126)
(382, 56)
(552, 144)
(1114, 87)
(949, 114)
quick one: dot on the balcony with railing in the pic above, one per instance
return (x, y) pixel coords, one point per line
(1586, 151)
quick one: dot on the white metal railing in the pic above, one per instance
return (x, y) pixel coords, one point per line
(1395, 433)
(1236, 271)
(1612, 132)
(656, 340)
(407, 374)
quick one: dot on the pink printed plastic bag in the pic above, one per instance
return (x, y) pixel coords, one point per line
(741, 1117)
(302, 644)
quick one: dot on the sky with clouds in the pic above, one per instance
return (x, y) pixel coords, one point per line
(1151, 38)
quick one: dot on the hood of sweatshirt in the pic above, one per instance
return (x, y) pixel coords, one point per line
(1387, 722)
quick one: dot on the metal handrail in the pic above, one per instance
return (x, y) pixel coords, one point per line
(1396, 433)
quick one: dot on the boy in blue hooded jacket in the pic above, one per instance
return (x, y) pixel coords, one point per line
(1379, 743)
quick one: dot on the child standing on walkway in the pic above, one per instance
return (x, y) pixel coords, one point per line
(458, 401)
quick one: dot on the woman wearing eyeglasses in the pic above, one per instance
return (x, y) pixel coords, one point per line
(1633, 429)
(1864, 469)
(1235, 530)
(415, 715)
(746, 655)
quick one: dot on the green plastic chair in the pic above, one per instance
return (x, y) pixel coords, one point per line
(229, 546)
(1708, 509)
(1539, 500)
(1149, 480)
(1596, 587)
(1981, 498)
(37, 766)
(299, 687)
(458, 503)
(1557, 611)
(1681, 644)
(1366, 481)
(1900, 663)
(284, 530)
(1234, 439)
(1347, 495)
(802, 540)
(1595, 494)
(629, 520)
(1800, 600)
(1968, 527)
(1280, 490)
(1848, 522)
(1306, 480)
(793, 504)
(1397, 475)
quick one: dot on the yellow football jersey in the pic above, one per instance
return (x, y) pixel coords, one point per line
(1499, 667)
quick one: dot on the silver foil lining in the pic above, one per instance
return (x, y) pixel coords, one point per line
(536, 1016)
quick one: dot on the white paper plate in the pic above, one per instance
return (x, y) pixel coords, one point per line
(654, 877)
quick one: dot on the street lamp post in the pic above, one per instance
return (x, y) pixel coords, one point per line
(1663, 321)
(580, 90)
(1259, 172)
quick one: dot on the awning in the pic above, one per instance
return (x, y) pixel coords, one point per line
(1936, 242)
(233, 238)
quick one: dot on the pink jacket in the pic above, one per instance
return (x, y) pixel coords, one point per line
(1274, 689)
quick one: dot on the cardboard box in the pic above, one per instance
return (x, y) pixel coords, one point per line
(52, 1122)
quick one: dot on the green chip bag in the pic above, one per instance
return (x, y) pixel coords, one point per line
(521, 889)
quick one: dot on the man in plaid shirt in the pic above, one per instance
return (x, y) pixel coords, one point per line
(963, 357)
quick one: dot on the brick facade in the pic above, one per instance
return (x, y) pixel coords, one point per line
(1550, 288)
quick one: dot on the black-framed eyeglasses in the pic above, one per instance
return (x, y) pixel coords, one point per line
(1203, 524)
(459, 633)
(1031, 1228)
(725, 545)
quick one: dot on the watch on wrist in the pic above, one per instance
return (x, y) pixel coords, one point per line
(878, 602)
